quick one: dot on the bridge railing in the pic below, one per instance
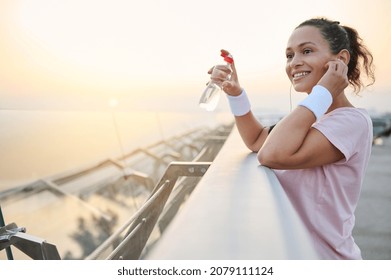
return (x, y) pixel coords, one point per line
(237, 211)
(97, 212)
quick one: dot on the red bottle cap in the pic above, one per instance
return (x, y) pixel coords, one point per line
(227, 57)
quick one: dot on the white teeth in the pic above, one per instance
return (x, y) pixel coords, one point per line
(301, 74)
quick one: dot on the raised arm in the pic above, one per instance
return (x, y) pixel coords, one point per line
(251, 130)
(294, 143)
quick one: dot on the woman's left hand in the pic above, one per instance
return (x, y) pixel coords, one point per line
(336, 77)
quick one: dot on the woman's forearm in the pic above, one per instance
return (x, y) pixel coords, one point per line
(252, 131)
(286, 138)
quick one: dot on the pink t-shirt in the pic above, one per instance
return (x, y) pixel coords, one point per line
(326, 196)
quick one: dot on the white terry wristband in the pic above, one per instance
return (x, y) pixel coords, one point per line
(318, 101)
(240, 105)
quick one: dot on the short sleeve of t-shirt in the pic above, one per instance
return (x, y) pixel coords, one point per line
(346, 128)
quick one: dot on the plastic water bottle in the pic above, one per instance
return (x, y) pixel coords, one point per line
(211, 95)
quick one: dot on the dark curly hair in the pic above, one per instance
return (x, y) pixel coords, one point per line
(343, 37)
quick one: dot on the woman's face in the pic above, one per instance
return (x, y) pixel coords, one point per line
(307, 54)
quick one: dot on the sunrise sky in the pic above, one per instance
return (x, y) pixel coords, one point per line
(81, 53)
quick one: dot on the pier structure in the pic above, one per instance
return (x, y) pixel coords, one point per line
(199, 195)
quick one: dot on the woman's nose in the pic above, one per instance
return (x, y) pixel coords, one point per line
(296, 61)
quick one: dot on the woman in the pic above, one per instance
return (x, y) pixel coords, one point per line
(320, 151)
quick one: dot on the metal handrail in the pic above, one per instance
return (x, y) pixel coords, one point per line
(239, 211)
(141, 224)
(119, 170)
(34, 247)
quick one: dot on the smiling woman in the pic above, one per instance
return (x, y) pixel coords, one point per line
(320, 151)
(299, 52)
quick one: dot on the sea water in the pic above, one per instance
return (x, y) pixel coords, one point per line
(37, 144)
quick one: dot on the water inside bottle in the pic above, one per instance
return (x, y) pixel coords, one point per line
(210, 97)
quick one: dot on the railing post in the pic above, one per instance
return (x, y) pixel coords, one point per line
(2, 224)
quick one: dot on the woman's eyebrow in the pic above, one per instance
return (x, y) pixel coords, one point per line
(302, 44)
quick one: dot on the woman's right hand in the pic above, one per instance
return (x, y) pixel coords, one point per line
(220, 75)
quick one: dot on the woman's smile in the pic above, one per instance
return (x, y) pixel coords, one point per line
(299, 75)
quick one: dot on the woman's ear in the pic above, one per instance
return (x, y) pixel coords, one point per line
(344, 55)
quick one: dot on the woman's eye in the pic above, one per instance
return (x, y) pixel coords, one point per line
(307, 51)
(289, 56)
